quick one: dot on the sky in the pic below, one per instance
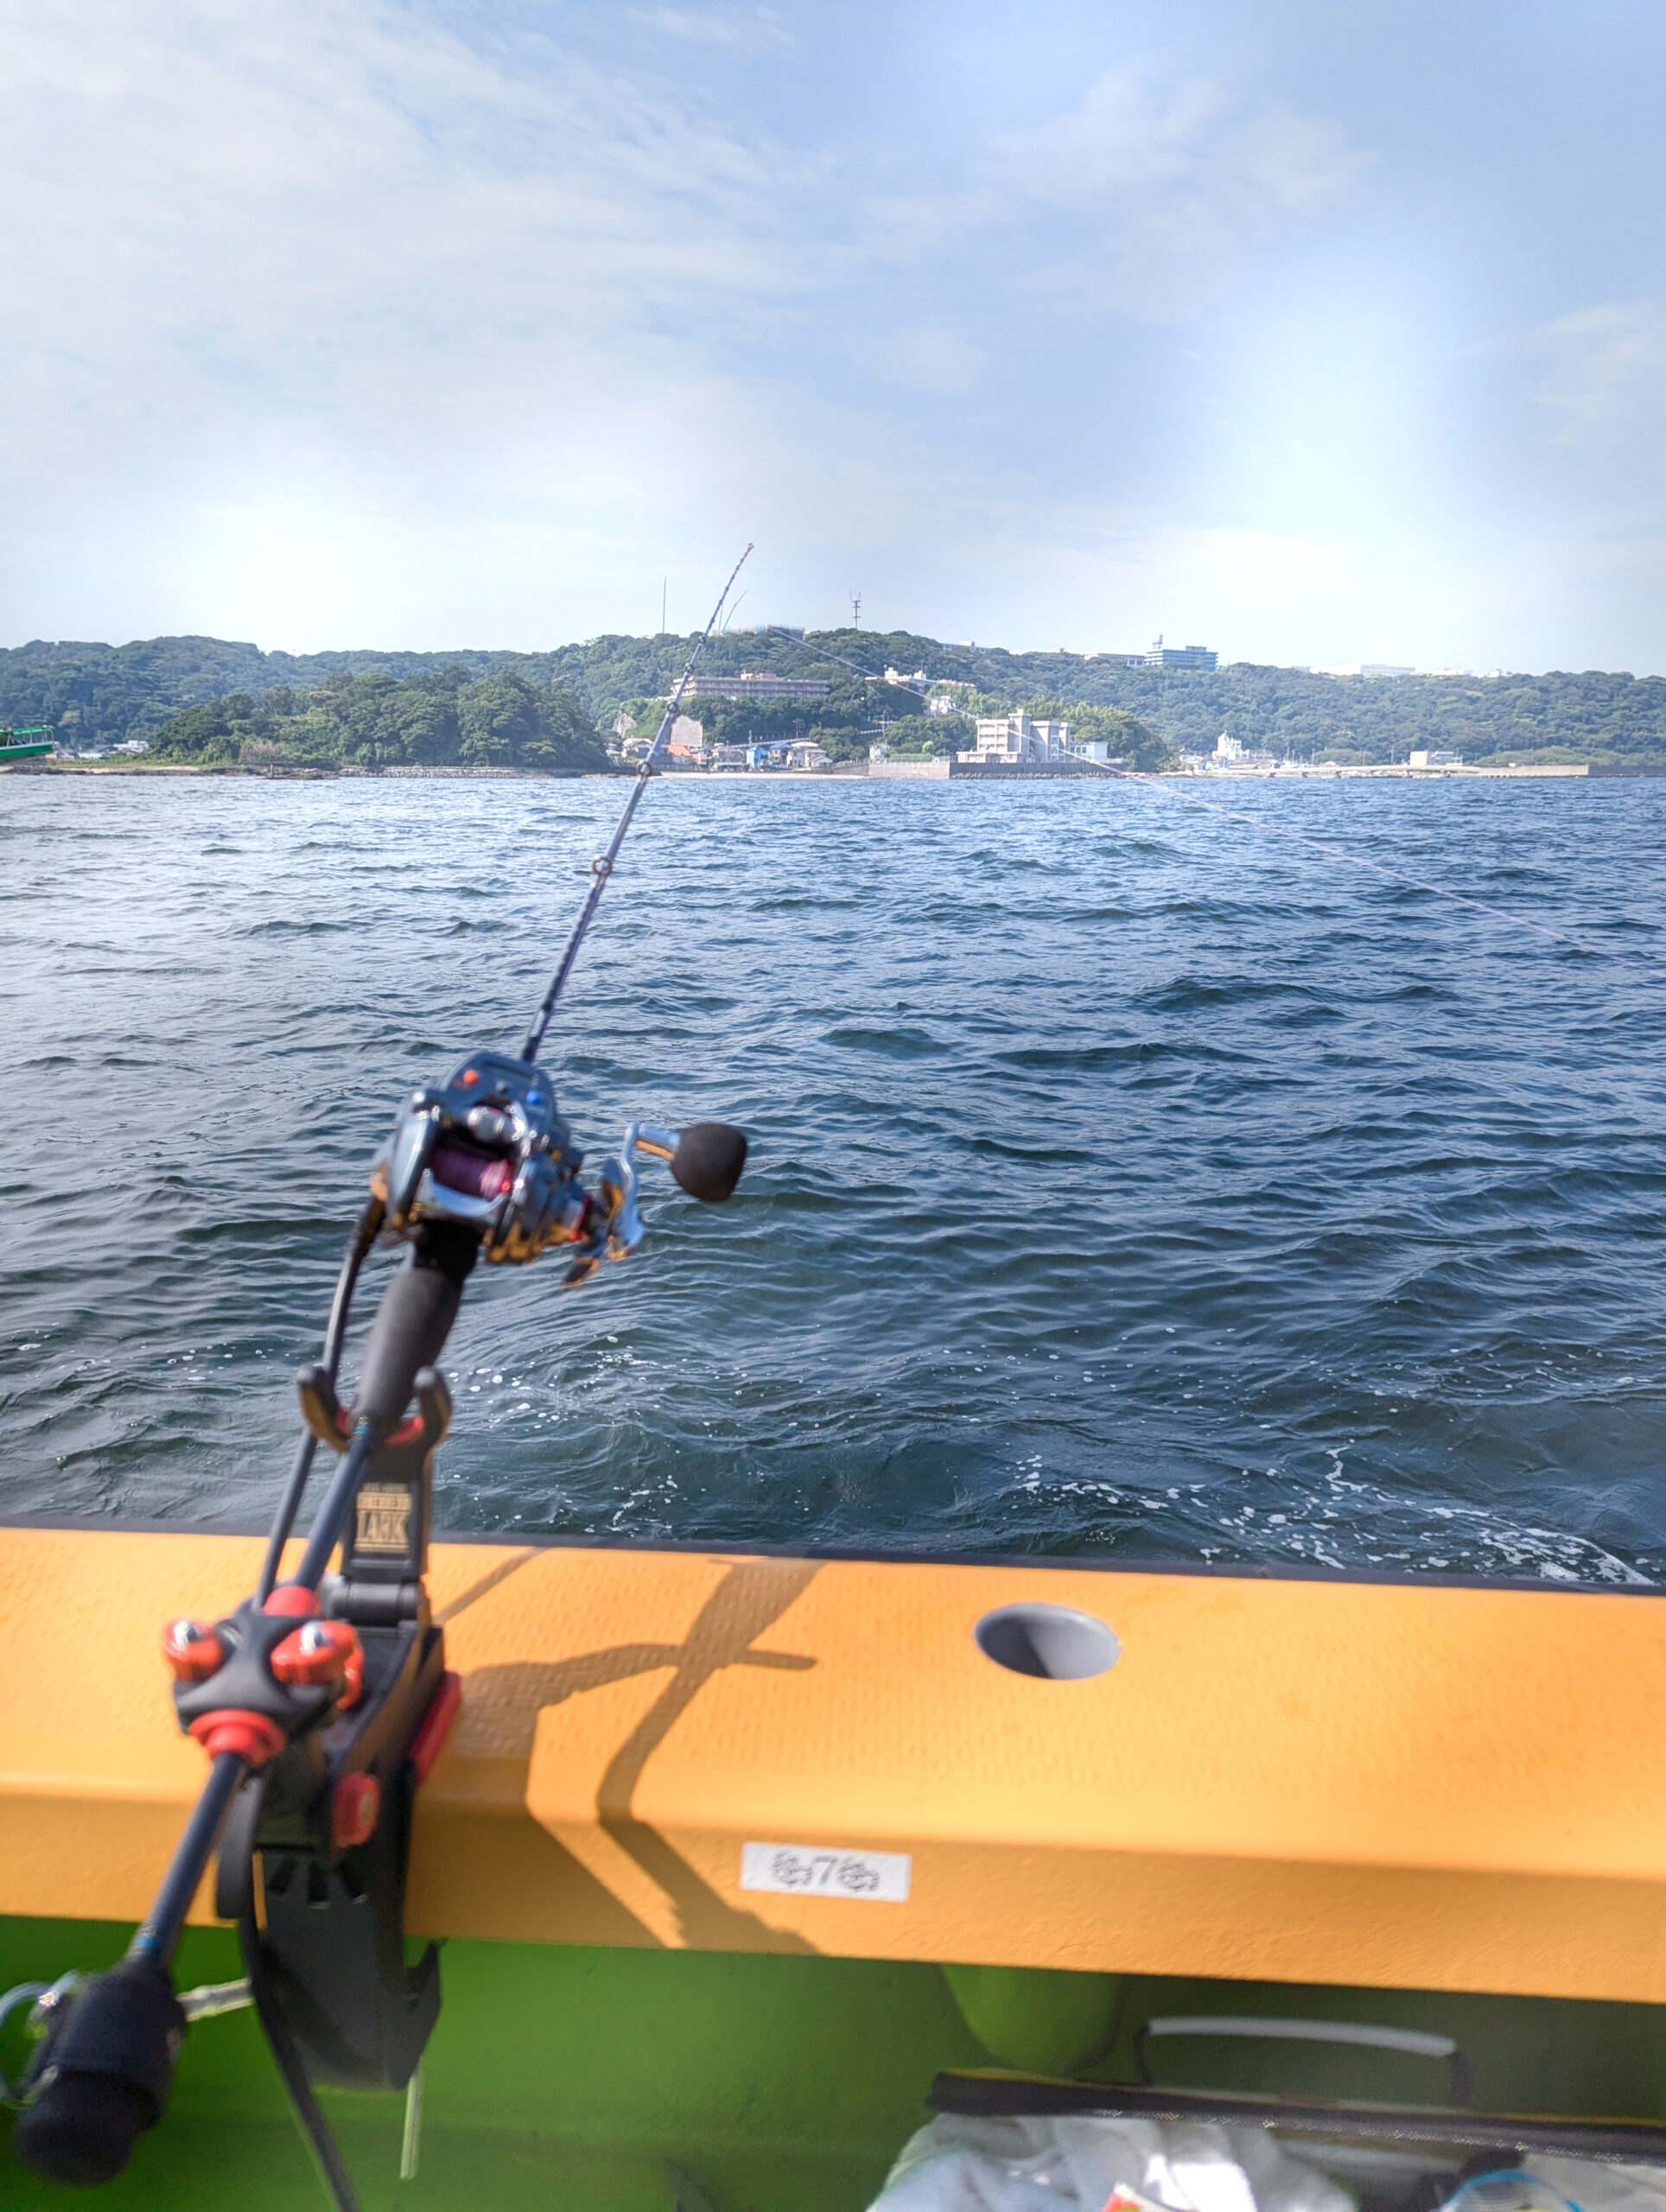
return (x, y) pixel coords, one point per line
(1314, 332)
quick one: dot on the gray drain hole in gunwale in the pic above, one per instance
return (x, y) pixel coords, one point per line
(1053, 1641)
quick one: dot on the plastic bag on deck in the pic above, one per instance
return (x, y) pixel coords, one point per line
(1598, 2186)
(1545, 2181)
(1071, 2164)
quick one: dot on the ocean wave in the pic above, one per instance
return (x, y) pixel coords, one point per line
(1163, 1194)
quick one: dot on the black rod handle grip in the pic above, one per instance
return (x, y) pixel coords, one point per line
(408, 1333)
(104, 2075)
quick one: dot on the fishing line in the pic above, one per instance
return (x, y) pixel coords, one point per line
(894, 682)
(370, 1223)
(1180, 790)
(602, 867)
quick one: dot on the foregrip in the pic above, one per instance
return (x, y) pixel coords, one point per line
(411, 1327)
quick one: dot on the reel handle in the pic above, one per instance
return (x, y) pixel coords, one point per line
(707, 1161)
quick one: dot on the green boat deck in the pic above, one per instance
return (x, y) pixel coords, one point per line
(578, 2079)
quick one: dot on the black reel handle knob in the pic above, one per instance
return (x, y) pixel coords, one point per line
(707, 1161)
(105, 2075)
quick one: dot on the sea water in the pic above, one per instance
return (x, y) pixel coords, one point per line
(1126, 1181)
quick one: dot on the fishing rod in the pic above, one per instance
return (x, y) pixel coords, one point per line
(369, 1225)
(602, 867)
(322, 1700)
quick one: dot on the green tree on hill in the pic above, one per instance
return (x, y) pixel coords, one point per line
(435, 718)
(507, 723)
(371, 721)
(214, 733)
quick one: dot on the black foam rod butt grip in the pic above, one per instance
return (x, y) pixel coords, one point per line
(106, 2073)
(707, 1161)
(411, 1324)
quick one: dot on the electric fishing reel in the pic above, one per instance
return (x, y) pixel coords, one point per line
(488, 1151)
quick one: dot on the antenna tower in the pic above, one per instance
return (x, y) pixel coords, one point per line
(855, 610)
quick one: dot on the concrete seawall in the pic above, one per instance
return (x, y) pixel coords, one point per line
(986, 771)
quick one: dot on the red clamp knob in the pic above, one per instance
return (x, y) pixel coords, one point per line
(315, 1653)
(290, 1598)
(251, 1736)
(193, 1651)
(354, 1808)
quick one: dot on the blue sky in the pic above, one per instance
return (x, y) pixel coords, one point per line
(1314, 332)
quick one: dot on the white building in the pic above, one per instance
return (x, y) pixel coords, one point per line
(706, 683)
(1158, 655)
(1233, 752)
(1016, 741)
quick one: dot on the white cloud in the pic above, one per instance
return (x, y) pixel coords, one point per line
(303, 286)
(929, 357)
(703, 27)
(356, 209)
(347, 325)
(1606, 373)
(344, 281)
(1137, 195)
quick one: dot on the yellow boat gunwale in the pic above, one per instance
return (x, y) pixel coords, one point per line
(1406, 1783)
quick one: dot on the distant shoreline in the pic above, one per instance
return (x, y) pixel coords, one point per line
(299, 774)
(901, 772)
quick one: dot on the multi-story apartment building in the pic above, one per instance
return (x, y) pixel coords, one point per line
(704, 684)
(1016, 740)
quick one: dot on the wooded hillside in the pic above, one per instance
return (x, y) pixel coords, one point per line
(98, 694)
(377, 722)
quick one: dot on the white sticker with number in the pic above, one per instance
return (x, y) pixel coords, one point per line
(823, 1871)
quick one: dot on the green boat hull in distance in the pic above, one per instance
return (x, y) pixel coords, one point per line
(24, 744)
